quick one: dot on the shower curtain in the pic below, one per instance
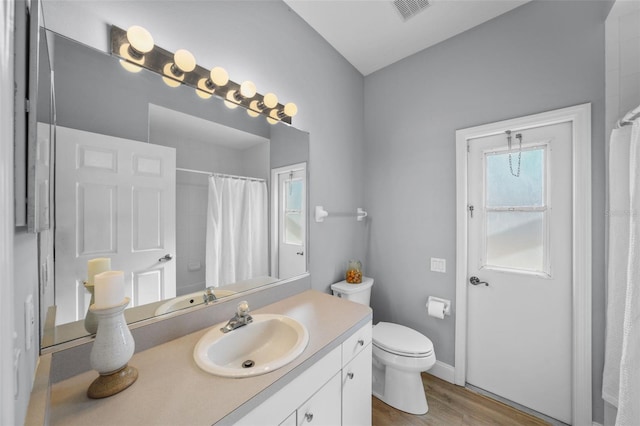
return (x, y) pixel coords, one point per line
(621, 378)
(236, 244)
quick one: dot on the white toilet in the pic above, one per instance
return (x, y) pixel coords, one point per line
(400, 354)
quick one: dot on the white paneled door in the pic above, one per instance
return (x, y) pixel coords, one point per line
(114, 198)
(290, 201)
(519, 319)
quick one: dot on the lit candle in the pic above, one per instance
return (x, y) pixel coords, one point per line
(96, 266)
(109, 289)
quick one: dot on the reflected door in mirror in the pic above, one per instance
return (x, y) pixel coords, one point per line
(291, 216)
(115, 198)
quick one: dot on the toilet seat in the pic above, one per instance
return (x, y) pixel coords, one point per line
(400, 340)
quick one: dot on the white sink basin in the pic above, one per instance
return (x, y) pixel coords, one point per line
(271, 341)
(188, 300)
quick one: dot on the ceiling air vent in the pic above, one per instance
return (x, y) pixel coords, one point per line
(410, 8)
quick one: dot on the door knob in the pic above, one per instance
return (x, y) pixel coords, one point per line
(476, 281)
(167, 257)
(300, 253)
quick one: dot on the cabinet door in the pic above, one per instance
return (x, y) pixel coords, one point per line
(356, 390)
(323, 408)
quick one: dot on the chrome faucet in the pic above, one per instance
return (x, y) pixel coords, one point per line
(209, 295)
(240, 319)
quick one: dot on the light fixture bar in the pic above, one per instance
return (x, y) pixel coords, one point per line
(157, 58)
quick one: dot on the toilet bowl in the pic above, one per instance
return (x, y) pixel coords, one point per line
(400, 354)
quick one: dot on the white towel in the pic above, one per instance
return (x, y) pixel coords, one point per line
(629, 391)
(618, 259)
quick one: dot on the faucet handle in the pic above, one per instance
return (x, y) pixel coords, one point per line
(209, 295)
(243, 309)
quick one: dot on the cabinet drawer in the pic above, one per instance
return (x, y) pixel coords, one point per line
(354, 344)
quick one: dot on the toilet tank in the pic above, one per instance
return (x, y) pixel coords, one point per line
(359, 293)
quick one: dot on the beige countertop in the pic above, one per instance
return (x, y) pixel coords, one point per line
(172, 390)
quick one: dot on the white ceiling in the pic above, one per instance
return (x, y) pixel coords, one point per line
(371, 34)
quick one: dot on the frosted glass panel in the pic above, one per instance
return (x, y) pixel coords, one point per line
(515, 240)
(293, 228)
(293, 211)
(504, 189)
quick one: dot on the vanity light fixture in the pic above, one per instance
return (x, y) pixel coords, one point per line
(136, 49)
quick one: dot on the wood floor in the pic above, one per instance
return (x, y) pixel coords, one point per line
(451, 405)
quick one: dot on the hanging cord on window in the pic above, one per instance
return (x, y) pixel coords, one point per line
(290, 182)
(519, 137)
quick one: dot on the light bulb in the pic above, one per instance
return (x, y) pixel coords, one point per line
(273, 115)
(202, 90)
(184, 60)
(230, 98)
(255, 105)
(270, 100)
(290, 109)
(248, 89)
(129, 66)
(170, 82)
(272, 120)
(219, 76)
(252, 113)
(140, 40)
(202, 94)
(129, 61)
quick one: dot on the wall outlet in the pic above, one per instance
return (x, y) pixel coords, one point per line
(438, 265)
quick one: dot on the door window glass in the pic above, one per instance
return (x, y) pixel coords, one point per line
(516, 211)
(293, 220)
(504, 189)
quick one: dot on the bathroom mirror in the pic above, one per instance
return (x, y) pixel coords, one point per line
(161, 236)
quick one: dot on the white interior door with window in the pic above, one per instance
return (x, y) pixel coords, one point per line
(289, 218)
(115, 198)
(519, 332)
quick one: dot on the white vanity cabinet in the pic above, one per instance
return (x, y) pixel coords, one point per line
(336, 390)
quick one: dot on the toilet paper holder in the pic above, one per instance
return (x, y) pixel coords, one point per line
(447, 303)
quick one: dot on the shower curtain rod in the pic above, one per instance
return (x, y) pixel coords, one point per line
(629, 117)
(219, 174)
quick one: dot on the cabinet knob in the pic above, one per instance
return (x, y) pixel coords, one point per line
(308, 417)
(361, 342)
(350, 375)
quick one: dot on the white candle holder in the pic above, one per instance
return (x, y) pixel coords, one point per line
(90, 319)
(112, 350)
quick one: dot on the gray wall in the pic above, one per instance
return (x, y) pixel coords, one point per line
(539, 57)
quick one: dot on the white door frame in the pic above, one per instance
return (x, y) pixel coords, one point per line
(580, 118)
(275, 214)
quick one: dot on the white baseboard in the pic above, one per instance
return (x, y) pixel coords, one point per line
(443, 371)
(597, 424)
